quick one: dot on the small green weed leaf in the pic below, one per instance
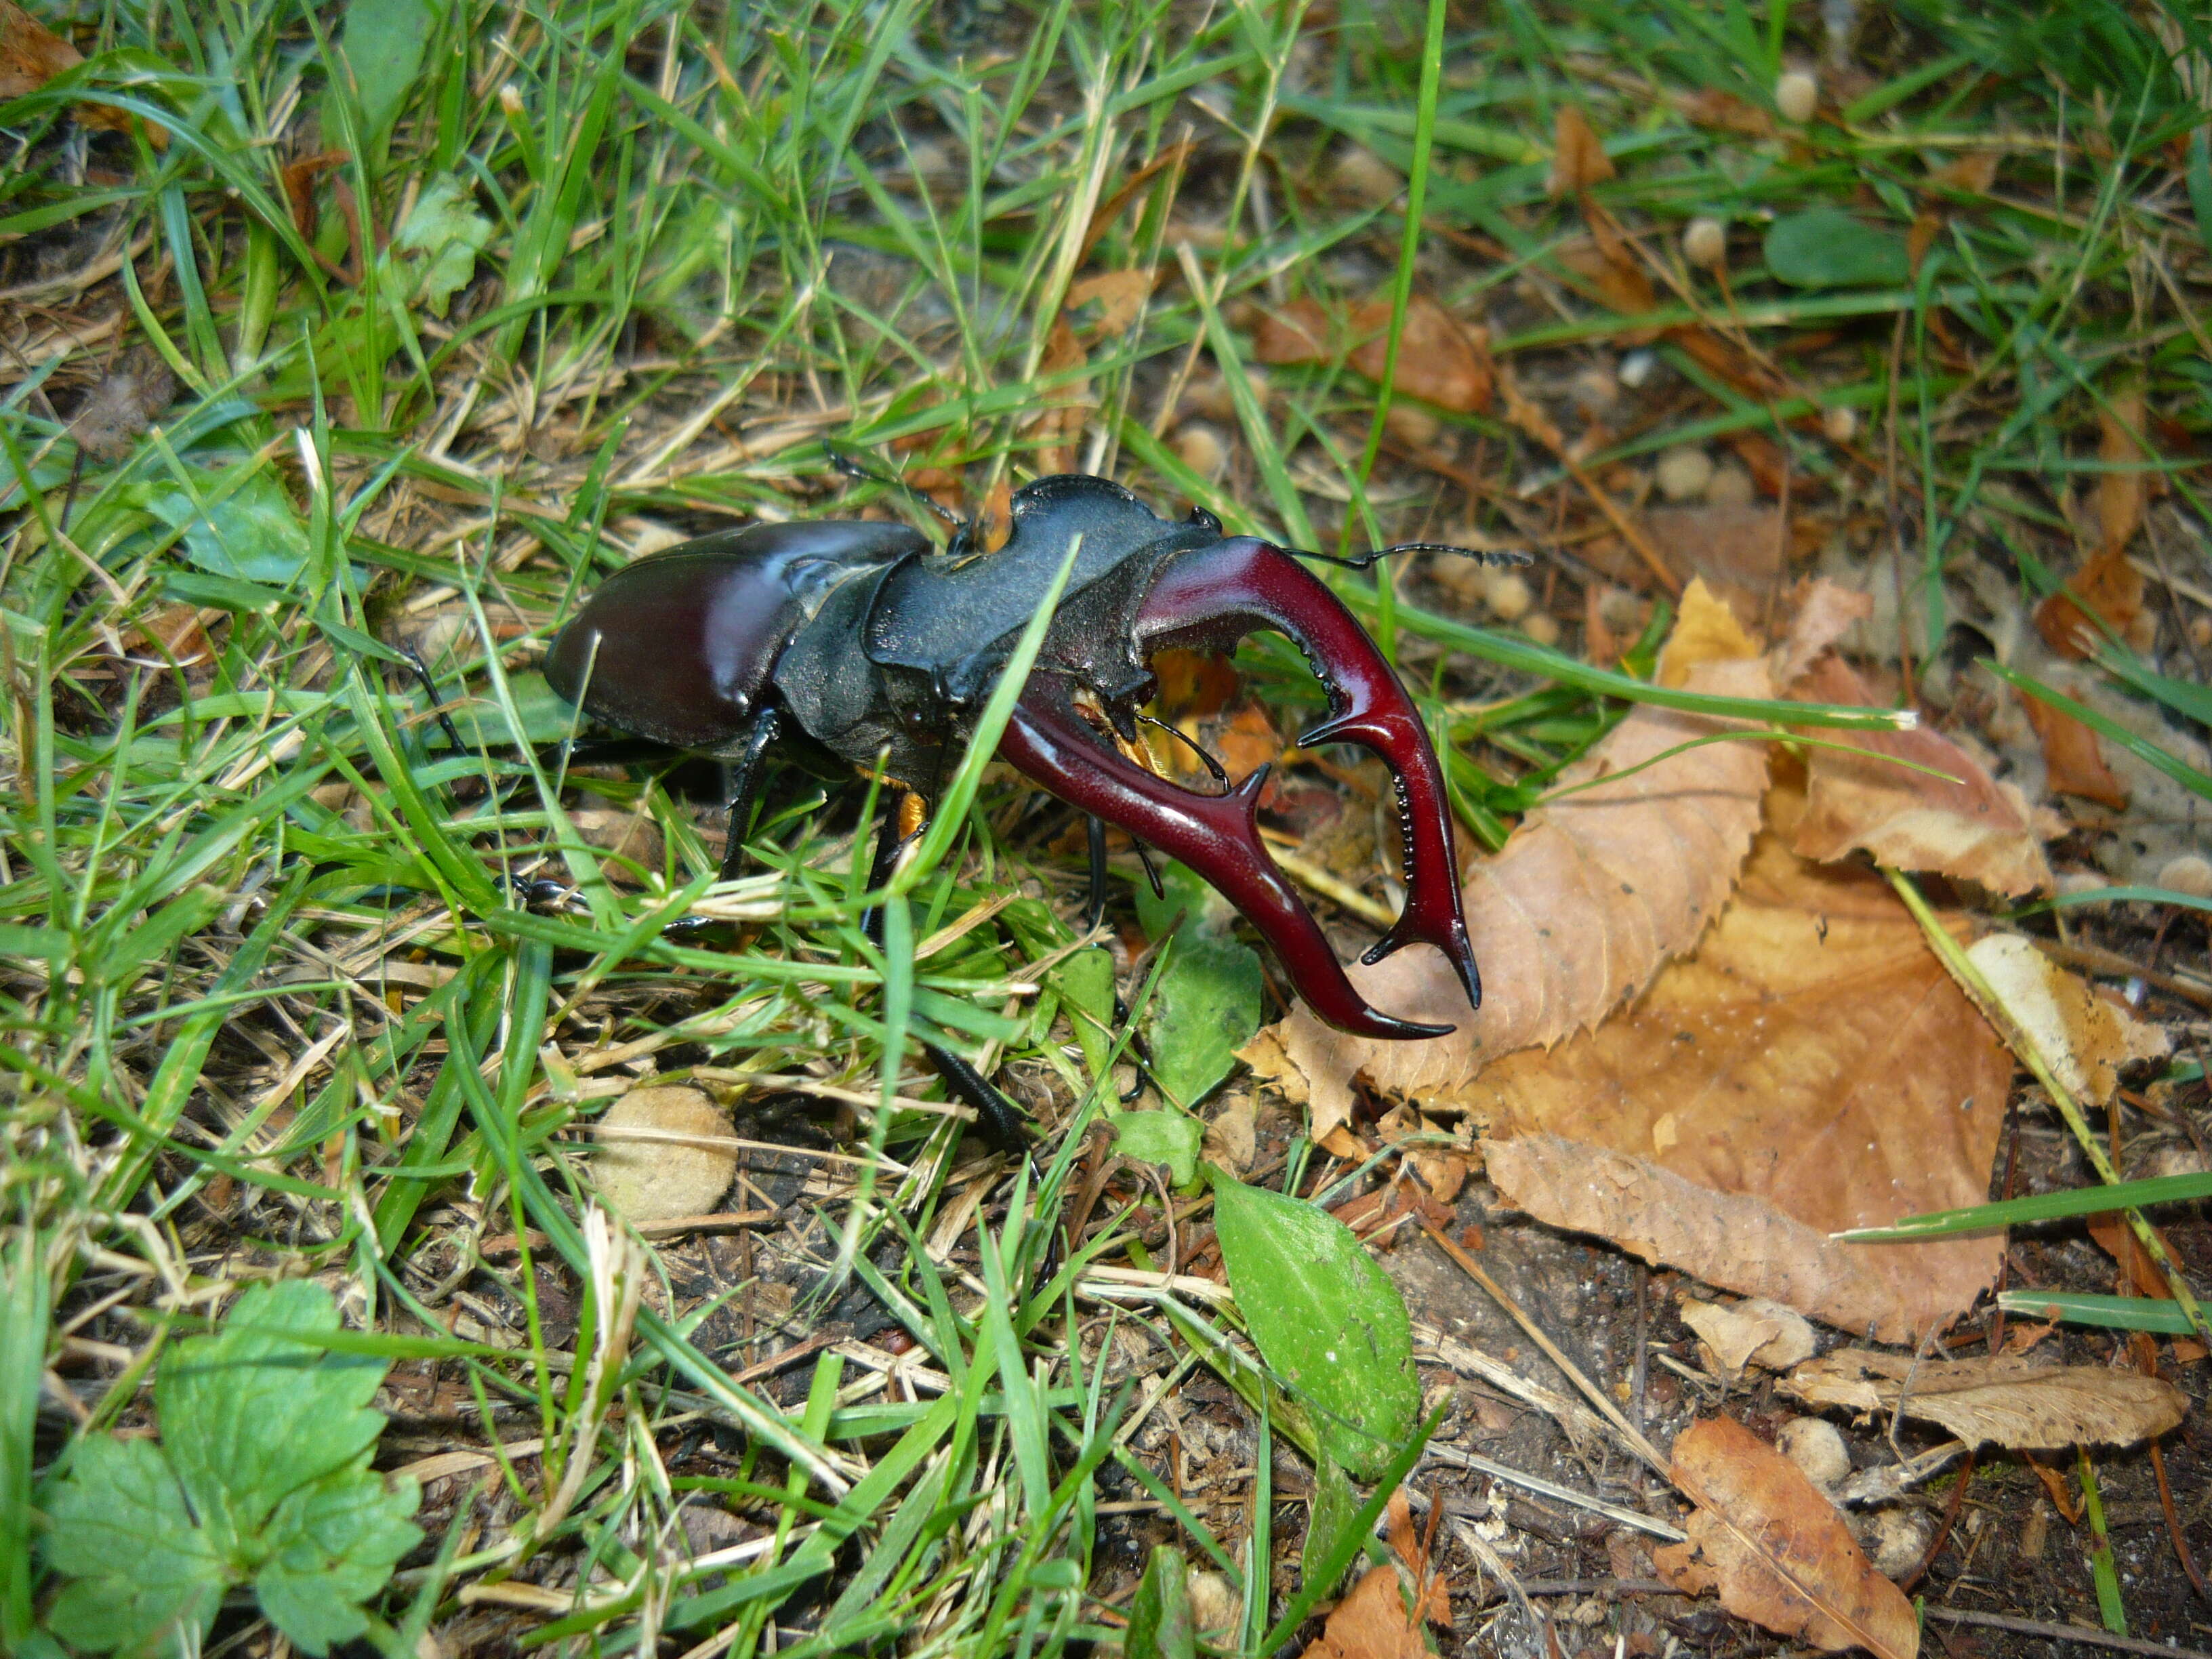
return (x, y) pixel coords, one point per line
(249, 1417)
(443, 232)
(382, 49)
(1161, 1136)
(262, 1476)
(1335, 1505)
(1184, 903)
(1827, 247)
(1159, 1612)
(145, 1579)
(1328, 1321)
(1208, 1005)
(482, 723)
(331, 1546)
(1085, 983)
(251, 535)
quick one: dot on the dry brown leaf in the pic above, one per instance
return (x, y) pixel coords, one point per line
(2107, 584)
(2084, 1039)
(2073, 765)
(1975, 828)
(1726, 112)
(1578, 159)
(31, 54)
(1777, 1549)
(1594, 891)
(1730, 1239)
(1439, 360)
(1974, 171)
(1372, 1623)
(1742, 552)
(1299, 333)
(2003, 1401)
(1757, 1330)
(1119, 295)
(1811, 1059)
(1436, 1598)
(646, 1170)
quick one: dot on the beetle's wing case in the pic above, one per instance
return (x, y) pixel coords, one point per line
(678, 645)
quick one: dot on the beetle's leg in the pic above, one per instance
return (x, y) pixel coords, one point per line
(997, 1119)
(1094, 909)
(1216, 836)
(1215, 594)
(744, 788)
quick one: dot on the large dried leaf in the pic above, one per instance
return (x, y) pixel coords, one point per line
(2084, 1039)
(1589, 897)
(1811, 1068)
(1372, 1623)
(2006, 1400)
(1777, 1549)
(31, 54)
(1976, 828)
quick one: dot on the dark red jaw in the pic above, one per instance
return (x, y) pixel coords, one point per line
(1209, 598)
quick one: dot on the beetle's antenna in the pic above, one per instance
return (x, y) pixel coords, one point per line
(1220, 773)
(852, 468)
(437, 698)
(1498, 556)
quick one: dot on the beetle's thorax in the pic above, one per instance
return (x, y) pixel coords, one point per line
(936, 632)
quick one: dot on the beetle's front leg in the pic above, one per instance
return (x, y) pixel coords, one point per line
(1212, 596)
(744, 782)
(998, 1118)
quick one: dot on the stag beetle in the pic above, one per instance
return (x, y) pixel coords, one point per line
(880, 649)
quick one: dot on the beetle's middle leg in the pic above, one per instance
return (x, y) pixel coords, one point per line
(997, 1119)
(744, 787)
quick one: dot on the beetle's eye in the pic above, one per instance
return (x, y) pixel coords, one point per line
(1205, 520)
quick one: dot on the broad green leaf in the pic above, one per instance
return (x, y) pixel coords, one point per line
(1160, 1136)
(382, 51)
(249, 1419)
(145, 1579)
(1159, 1612)
(1085, 983)
(482, 723)
(1328, 1321)
(329, 1546)
(251, 535)
(443, 232)
(1827, 247)
(1210, 995)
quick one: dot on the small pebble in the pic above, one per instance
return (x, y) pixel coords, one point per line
(1896, 1539)
(1201, 449)
(659, 1180)
(1413, 424)
(2188, 874)
(1730, 486)
(1841, 425)
(1796, 95)
(1365, 177)
(1816, 1446)
(1636, 368)
(1683, 473)
(2082, 881)
(1542, 627)
(1704, 242)
(1506, 594)
(1594, 389)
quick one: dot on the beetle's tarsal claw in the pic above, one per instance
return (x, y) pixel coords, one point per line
(1216, 836)
(1211, 595)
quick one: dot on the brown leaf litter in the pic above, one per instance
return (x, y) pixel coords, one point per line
(2007, 1400)
(1801, 1066)
(1441, 360)
(1777, 1549)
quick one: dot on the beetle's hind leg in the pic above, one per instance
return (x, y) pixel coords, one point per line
(997, 1119)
